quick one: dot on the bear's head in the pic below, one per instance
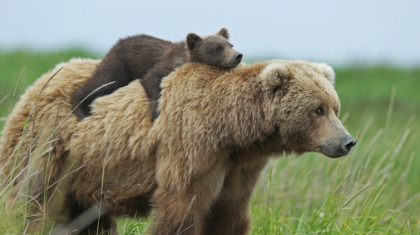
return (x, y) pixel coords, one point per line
(213, 50)
(307, 107)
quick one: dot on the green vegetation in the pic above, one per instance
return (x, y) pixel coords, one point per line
(375, 190)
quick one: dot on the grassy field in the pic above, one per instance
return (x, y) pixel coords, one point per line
(375, 190)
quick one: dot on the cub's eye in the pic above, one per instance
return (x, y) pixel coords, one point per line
(319, 111)
(219, 48)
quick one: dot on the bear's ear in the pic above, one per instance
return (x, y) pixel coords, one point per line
(192, 39)
(328, 72)
(274, 75)
(224, 33)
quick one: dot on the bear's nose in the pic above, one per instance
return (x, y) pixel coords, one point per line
(347, 143)
(238, 56)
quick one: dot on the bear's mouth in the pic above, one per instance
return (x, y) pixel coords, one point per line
(332, 152)
(231, 65)
(334, 156)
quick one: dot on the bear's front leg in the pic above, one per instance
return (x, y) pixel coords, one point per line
(229, 215)
(181, 206)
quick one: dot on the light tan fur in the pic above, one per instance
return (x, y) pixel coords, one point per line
(198, 163)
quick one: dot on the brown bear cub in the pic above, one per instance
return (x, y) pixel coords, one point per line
(151, 59)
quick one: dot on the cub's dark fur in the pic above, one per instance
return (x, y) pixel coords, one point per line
(151, 59)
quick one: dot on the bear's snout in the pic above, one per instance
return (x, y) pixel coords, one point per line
(232, 58)
(238, 56)
(336, 149)
(347, 143)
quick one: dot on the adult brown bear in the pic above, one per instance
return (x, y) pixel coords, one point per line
(196, 165)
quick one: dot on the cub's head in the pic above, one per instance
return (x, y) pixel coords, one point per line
(306, 107)
(213, 50)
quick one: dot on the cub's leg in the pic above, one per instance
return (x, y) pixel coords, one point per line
(151, 84)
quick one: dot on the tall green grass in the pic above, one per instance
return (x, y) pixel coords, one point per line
(374, 190)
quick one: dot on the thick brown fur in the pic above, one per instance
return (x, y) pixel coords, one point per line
(198, 163)
(150, 59)
(36, 135)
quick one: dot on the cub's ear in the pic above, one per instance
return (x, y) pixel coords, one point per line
(328, 72)
(224, 33)
(192, 40)
(274, 75)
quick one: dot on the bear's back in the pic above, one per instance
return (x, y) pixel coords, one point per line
(139, 53)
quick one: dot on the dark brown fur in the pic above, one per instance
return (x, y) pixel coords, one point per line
(150, 59)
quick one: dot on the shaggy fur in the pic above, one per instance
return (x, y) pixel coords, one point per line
(198, 163)
(33, 146)
(151, 59)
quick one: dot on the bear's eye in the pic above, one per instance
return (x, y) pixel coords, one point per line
(319, 111)
(219, 48)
